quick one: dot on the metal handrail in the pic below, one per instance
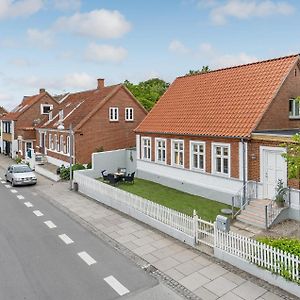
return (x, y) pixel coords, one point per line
(243, 197)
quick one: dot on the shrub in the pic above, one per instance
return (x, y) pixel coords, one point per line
(18, 160)
(65, 172)
(89, 165)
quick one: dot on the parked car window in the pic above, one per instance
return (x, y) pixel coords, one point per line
(22, 169)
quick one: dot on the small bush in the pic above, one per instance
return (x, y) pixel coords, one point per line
(18, 160)
(65, 172)
(288, 245)
(89, 165)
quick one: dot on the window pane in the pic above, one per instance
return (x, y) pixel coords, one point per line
(201, 162)
(218, 150)
(296, 108)
(195, 148)
(218, 165)
(291, 107)
(195, 161)
(225, 162)
(225, 151)
(181, 158)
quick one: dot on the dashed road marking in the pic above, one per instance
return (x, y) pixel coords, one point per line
(28, 204)
(116, 285)
(86, 258)
(50, 224)
(8, 186)
(38, 213)
(20, 197)
(65, 239)
(3, 181)
(14, 191)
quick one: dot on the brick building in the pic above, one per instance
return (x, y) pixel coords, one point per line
(212, 132)
(18, 126)
(101, 119)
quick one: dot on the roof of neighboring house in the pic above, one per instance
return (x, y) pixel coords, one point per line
(3, 111)
(25, 104)
(228, 102)
(77, 107)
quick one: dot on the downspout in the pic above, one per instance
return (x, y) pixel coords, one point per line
(244, 170)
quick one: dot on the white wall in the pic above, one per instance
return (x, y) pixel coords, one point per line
(207, 185)
(112, 160)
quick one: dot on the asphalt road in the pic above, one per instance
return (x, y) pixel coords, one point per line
(47, 255)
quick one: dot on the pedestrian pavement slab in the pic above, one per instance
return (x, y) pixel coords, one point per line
(173, 273)
(269, 296)
(230, 296)
(234, 278)
(213, 271)
(203, 293)
(220, 286)
(194, 281)
(249, 291)
(189, 267)
(166, 264)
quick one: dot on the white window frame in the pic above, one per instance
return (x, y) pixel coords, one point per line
(192, 143)
(114, 114)
(214, 157)
(68, 145)
(50, 141)
(292, 115)
(55, 142)
(143, 148)
(61, 143)
(157, 149)
(173, 156)
(42, 108)
(129, 114)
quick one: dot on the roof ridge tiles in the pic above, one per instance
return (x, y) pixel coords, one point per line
(239, 66)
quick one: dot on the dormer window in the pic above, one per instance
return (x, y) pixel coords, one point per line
(46, 108)
(294, 109)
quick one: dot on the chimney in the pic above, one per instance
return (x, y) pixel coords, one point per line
(100, 83)
(42, 90)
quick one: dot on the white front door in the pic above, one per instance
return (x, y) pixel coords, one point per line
(274, 168)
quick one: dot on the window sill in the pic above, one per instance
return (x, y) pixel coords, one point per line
(114, 121)
(197, 170)
(177, 166)
(221, 174)
(129, 121)
(294, 118)
(161, 162)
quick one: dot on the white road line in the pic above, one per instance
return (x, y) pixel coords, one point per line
(3, 181)
(8, 186)
(14, 191)
(28, 204)
(20, 197)
(116, 285)
(50, 224)
(38, 213)
(65, 239)
(86, 257)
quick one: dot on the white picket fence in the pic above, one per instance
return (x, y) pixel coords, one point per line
(265, 256)
(170, 217)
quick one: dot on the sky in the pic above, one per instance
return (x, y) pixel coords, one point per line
(65, 45)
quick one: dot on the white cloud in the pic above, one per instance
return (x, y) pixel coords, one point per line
(178, 47)
(18, 8)
(42, 39)
(20, 62)
(78, 81)
(227, 60)
(67, 4)
(244, 9)
(100, 23)
(105, 53)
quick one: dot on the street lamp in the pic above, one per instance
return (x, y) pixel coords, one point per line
(62, 127)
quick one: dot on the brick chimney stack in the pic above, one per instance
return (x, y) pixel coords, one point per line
(100, 83)
(42, 90)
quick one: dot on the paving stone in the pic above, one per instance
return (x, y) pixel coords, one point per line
(204, 294)
(203, 261)
(185, 255)
(150, 258)
(234, 278)
(166, 264)
(270, 296)
(143, 241)
(220, 286)
(230, 296)
(144, 250)
(162, 243)
(194, 281)
(124, 238)
(166, 251)
(249, 291)
(141, 233)
(173, 273)
(189, 267)
(213, 271)
(130, 245)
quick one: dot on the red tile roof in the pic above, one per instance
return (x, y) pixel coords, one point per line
(21, 108)
(78, 106)
(2, 111)
(226, 102)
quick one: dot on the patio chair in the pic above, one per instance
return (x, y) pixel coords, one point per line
(104, 175)
(129, 178)
(112, 179)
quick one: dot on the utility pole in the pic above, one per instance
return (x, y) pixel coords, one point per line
(71, 156)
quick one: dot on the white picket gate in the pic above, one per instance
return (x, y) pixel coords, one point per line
(205, 232)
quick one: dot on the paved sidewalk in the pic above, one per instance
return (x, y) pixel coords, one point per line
(205, 276)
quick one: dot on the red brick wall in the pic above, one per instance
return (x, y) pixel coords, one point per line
(277, 115)
(34, 112)
(99, 131)
(234, 148)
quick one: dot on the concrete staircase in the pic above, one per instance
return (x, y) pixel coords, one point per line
(254, 213)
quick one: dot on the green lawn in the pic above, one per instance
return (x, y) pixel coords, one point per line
(180, 201)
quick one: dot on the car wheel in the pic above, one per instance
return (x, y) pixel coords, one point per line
(6, 178)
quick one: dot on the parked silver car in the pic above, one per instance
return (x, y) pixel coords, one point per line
(20, 175)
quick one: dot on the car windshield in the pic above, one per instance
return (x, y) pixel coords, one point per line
(22, 169)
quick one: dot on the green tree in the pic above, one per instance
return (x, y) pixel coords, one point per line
(148, 92)
(204, 69)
